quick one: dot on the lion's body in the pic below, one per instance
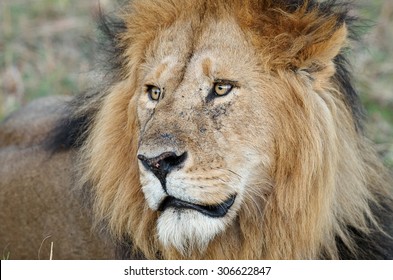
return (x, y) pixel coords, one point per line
(229, 130)
(37, 204)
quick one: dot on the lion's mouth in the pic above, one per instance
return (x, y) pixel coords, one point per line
(213, 211)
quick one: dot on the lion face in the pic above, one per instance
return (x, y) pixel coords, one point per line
(199, 156)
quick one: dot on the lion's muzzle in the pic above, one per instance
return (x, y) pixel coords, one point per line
(167, 162)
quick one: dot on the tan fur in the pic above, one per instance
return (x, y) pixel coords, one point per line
(322, 173)
(37, 205)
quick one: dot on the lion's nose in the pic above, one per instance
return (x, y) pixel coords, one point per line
(163, 164)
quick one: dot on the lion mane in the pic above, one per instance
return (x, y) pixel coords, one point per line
(325, 193)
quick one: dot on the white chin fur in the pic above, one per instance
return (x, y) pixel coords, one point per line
(152, 190)
(187, 230)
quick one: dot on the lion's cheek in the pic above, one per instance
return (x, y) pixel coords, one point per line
(152, 190)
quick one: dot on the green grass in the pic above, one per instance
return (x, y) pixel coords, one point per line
(44, 49)
(373, 66)
(6, 256)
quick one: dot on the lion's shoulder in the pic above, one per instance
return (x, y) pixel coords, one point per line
(32, 124)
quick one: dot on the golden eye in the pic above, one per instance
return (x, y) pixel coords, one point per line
(154, 92)
(221, 89)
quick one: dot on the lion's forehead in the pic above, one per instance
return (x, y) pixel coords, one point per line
(217, 49)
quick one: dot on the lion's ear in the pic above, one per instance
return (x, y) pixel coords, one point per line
(308, 38)
(319, 55)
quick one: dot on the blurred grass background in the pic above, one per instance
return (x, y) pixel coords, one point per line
(45, 49)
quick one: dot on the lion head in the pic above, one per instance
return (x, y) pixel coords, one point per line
(230, 129)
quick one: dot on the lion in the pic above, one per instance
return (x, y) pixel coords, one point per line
(224, 130)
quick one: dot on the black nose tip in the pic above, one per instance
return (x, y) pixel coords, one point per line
(163, 164)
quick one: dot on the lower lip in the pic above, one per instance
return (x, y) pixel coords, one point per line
(213, 211)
